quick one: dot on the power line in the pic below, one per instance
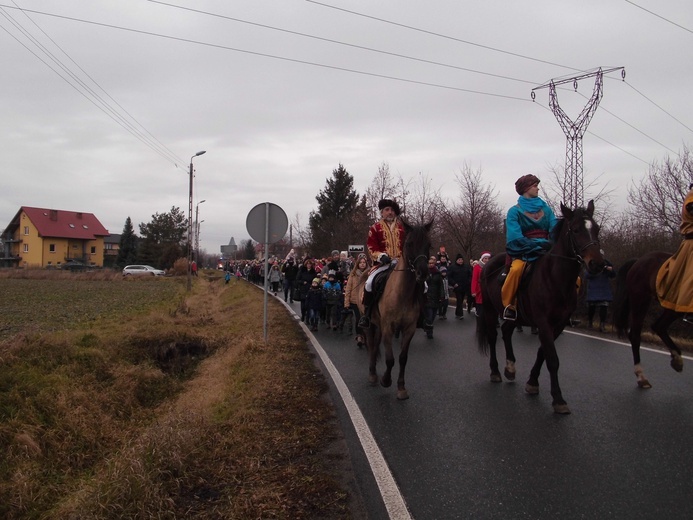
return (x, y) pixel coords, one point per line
(85, 90)
(272, 56)
(417, 29)
(337, 42)
(659, 16)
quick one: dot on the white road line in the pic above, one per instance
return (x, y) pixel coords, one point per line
(393, 499)
(624, 344)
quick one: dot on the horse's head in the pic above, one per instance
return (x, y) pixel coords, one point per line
(582, 234)
(417, 247)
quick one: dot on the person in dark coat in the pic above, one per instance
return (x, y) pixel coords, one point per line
(434, 296)
(599, 294)
(290, 271)
(315, 300)
(304, 279)
(460, 280)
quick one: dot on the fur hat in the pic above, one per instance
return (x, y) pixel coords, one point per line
(389, 203)
(334, 252)
(525, 182)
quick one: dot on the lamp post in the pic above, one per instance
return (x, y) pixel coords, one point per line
(190, 205)
(197, 232)
(197, 242)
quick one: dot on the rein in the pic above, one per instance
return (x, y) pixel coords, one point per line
(577, 256)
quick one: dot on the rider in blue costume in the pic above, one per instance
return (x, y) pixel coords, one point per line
(528, 235)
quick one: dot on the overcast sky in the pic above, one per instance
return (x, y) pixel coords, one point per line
(279, 93)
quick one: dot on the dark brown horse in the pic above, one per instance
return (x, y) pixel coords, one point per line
(545, 300)
(398, 308)
(635, 290)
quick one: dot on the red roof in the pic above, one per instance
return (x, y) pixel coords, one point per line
(64, 224)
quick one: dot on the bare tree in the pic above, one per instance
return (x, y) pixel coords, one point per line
(659, 196)
(555, 187)
(384, 186)
(424, 204)
(473, 221)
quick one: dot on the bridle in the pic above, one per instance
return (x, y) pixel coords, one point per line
(577, 252)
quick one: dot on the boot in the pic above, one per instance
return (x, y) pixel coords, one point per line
(602, 327)
(365, 321)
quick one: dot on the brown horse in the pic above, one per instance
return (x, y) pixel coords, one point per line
(398, 308)
(545, 300)
(635, 290)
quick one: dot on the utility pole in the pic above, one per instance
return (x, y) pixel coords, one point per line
(573, 185)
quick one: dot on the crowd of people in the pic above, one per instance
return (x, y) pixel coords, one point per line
(328, 288)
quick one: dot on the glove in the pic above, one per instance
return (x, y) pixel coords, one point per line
(383, 258)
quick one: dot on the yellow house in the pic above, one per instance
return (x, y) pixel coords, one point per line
(39, 237)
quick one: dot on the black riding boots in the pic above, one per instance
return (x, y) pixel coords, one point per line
(365, 321)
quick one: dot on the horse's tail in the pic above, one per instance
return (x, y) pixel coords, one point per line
(621, 302)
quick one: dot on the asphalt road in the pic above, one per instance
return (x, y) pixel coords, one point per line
(463, 447)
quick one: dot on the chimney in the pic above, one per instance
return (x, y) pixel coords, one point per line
(79, 216)
(54, 214)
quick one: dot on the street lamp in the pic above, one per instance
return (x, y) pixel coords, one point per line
(197, 241)
(190, 204)
(197, 232)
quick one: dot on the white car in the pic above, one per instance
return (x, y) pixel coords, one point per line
(142, 269)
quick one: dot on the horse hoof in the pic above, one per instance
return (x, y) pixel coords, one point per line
(510, 376)
(531, 389)
(386, 382)
(677, 364)
(496, 378)
(561, 408)
(373, 379)
(645, 384)
(402, 395)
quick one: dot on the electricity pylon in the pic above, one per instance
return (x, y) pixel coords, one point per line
(573, 185)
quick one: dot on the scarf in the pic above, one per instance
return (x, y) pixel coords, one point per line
(530, 205)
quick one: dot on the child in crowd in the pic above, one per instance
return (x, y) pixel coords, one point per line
(443, 309)
(314, 303)
(333, 293)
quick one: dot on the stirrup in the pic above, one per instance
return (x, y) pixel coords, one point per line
(509, 313)
(364, 322)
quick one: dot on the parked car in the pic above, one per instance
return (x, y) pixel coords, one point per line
(142, 270)
(74, 265)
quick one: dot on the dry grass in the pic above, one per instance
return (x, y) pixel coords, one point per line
(174, 408)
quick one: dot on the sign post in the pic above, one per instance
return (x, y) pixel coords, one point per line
(266, 223)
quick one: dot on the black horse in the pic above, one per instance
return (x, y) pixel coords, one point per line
(635, 290)
(399, 307)
(546, 297)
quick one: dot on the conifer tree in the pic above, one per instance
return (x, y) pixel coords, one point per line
(127, 252)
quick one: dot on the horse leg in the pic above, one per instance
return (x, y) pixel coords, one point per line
(407, 336)
(552, 364)
(507, 329)
(386, 380)
(373, 343)
(661, 327)
(532, 385)
(492, 338)
(637, 319)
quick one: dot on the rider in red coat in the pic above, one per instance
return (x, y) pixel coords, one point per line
(385, 243)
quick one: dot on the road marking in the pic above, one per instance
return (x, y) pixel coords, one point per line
(624, 344)
(393, 499)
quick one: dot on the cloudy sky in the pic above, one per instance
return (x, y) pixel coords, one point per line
(103, 102)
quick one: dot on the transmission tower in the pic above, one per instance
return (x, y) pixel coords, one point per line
(573, 186)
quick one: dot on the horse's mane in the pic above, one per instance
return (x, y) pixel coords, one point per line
(557, 229)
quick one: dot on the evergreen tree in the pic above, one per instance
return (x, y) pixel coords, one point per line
(127, 252)
(331, 225)
(247, 249)
(163, 239)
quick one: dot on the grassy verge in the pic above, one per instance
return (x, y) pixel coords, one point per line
(130, 399)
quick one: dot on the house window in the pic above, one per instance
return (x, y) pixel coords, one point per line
(93, 250)
(26, 248)
(26, 230)
(51, 248)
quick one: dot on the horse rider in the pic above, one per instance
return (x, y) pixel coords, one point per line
(528, 225)
(675, 277)
(385, 244)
